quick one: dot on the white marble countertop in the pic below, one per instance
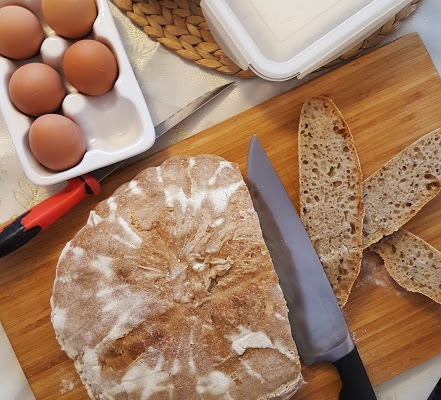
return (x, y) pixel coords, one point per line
(168, 83)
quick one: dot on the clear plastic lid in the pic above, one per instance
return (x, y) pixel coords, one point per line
(280, 39)
(283, 28)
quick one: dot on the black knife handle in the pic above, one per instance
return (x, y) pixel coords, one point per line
(355, 381)
(436, 393)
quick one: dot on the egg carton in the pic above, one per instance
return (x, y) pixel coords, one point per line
(117, 125)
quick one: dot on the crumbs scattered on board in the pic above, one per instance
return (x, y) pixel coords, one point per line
(374, 272)
(354, 337)
(66, 386)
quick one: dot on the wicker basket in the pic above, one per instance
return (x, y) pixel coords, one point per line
(180, 26)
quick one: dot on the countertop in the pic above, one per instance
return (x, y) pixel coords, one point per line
(168, 83)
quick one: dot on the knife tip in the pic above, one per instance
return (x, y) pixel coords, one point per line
(227, 85)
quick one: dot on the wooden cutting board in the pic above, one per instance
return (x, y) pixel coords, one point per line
(390, 98)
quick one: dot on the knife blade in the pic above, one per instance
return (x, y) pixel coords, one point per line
(317, 323)
(185, 112)
(14, 234)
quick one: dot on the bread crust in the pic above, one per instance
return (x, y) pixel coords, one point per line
(169, 292)
(412, 262)
(331, 203)
(398, 190)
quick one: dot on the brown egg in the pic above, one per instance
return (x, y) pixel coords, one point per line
(56, 142)
(36, 89)
(90, 67)
(71, 19)
(21, 33)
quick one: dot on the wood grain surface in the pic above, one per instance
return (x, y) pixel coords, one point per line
(389, 98)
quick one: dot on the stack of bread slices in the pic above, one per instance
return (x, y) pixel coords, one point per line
(344, 214)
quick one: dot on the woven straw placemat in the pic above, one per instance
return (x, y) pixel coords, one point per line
(180, 26)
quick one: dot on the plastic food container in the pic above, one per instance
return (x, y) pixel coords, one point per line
(282, 39)
(117, 125)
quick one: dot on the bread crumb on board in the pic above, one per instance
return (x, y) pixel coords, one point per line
(372, 271)
(67, 385)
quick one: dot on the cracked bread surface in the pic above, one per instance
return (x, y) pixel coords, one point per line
(169, 292)
(330, 180)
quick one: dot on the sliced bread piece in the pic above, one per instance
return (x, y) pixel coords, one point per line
(398, 190)
(331, 205)
(413, 263)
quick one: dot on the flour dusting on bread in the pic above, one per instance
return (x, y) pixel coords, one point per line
(169, 292)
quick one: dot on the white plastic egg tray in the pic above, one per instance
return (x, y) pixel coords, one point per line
(117, 125)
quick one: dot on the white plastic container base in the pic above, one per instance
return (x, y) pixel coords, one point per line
(117, 125)
(282, 39)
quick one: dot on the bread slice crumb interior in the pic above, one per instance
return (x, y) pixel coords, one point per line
(413, 263)
(331, 204)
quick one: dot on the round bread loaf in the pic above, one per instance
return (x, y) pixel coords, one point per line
(169, 292)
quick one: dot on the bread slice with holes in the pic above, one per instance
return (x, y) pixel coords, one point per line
(331, 205)
(412, 262)
(398, 190)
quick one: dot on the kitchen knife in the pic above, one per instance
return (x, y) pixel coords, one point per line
(14, 234)
(317, 323)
